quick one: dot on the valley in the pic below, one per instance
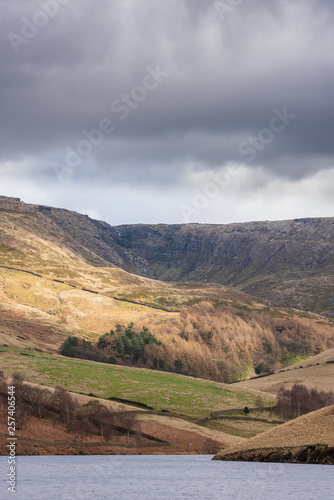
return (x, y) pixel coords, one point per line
(230, 315)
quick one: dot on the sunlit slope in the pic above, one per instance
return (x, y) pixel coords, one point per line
(49, 262)
(314, 429)
(314, 372)
(177, 393)
(288, 262)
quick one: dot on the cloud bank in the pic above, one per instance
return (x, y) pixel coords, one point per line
(126, 110)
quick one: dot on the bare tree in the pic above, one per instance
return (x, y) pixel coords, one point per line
(3, 390)
(37, 399)
(300, 400)
(67, 407)
(21, 407)
(85, 427)
(128, 420)
(102, 417)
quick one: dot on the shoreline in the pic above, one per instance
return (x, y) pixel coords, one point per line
(320, 454)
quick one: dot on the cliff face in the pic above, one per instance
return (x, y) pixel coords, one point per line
(291, 262)
(288, 262)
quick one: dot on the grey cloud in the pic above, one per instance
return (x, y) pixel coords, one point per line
(226, 77)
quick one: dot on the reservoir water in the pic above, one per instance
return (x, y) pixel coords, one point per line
(163, 477)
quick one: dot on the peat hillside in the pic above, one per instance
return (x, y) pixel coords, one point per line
(288, 262)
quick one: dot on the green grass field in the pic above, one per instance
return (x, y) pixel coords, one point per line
(161, 390)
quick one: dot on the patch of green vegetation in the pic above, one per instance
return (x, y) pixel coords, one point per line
(161, 390)
(242, 307)
(10, 250)
(192, 302)
(219, 303)
(293, 360)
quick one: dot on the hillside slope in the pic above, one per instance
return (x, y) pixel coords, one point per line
(51, 264)
(314, 372)
(291, 262)
(288, 262)
(309, 438)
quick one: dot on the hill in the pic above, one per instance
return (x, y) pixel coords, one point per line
(151, 434)
(192, 397)
(58, 279)
(309, 439)
(314, 372)
(167, 425)
(124, 294)
(287, 262)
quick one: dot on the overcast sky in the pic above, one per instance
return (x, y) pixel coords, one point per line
(169, 110)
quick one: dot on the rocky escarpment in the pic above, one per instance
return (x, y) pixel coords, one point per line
(290, 262)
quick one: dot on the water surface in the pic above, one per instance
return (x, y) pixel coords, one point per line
(164, 477)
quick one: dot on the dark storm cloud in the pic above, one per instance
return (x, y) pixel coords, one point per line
(226, 76)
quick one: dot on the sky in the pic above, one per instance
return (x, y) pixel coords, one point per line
(169, 111)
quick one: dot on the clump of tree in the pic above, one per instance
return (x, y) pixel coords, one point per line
(30, 400)
(103, 418)
(300, 400)
(60, 406)
(74, 347)
(127, 344)
(68, 347)
(261, 368)
(124, 345)
(207, 340)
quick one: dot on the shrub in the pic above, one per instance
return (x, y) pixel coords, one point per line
(260, 368)
(67, 347)
(178, 365)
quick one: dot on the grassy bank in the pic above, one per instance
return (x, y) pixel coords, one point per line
(161, 390)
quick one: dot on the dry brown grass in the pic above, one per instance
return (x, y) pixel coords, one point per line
(307, 372)
(222, 437)
(314, 428)
(184, 436)
(245, 428)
